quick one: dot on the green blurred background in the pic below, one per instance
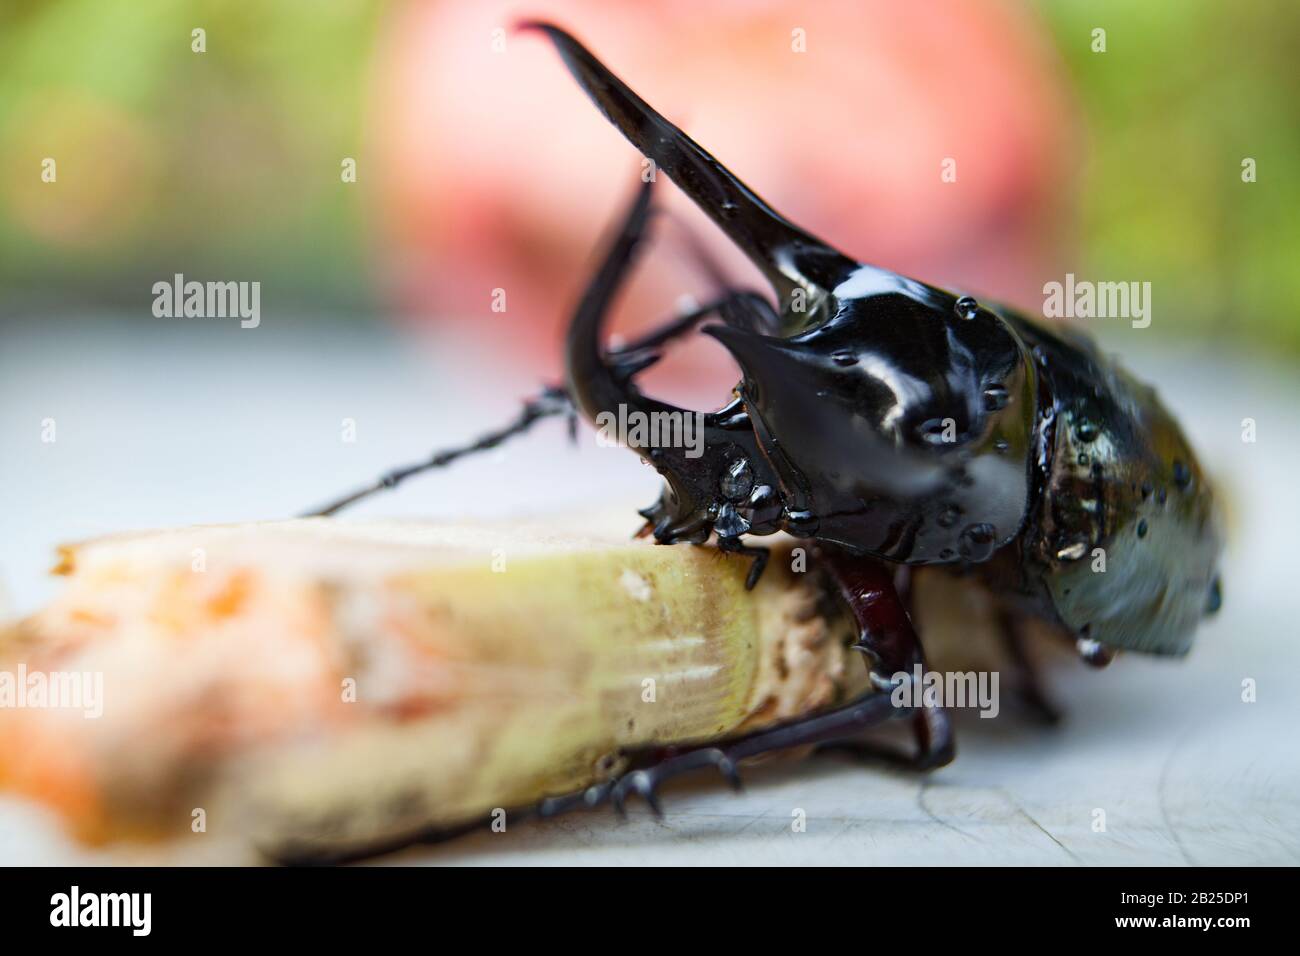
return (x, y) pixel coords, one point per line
(1199, 86)
(169, 161)
(172, 162)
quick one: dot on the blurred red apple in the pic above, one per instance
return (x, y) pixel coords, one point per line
(497, 173)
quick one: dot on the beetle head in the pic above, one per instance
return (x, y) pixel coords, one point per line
(902, 418)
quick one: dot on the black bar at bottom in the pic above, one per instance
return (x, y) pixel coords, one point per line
(562, 908)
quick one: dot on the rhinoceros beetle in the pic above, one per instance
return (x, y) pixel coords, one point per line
(895, 425)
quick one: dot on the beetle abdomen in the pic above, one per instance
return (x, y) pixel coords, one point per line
(1126, 537)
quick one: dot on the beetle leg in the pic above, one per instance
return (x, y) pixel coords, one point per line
(887, 637)
(755, 312)
(868, 710)
(1029, 683)
(648, 771)
(934, 747)
(930, 727)
(740, 307)
(886, 633)
(759, 554)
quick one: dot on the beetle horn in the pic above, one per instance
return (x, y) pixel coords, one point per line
(596, 386)
(789, 257)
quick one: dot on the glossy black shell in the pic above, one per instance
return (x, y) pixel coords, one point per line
(1124, 537)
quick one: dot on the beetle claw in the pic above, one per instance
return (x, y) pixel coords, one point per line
(731, 773)
(641, 782)
(646, 782)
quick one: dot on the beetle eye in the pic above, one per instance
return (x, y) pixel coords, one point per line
(966, 307)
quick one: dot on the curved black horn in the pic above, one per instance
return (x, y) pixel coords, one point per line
(592, 383)
(596, 386)
(690, 449)
(789, 257)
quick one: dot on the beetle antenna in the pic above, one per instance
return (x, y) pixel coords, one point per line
(625, 362)
(552, 401)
